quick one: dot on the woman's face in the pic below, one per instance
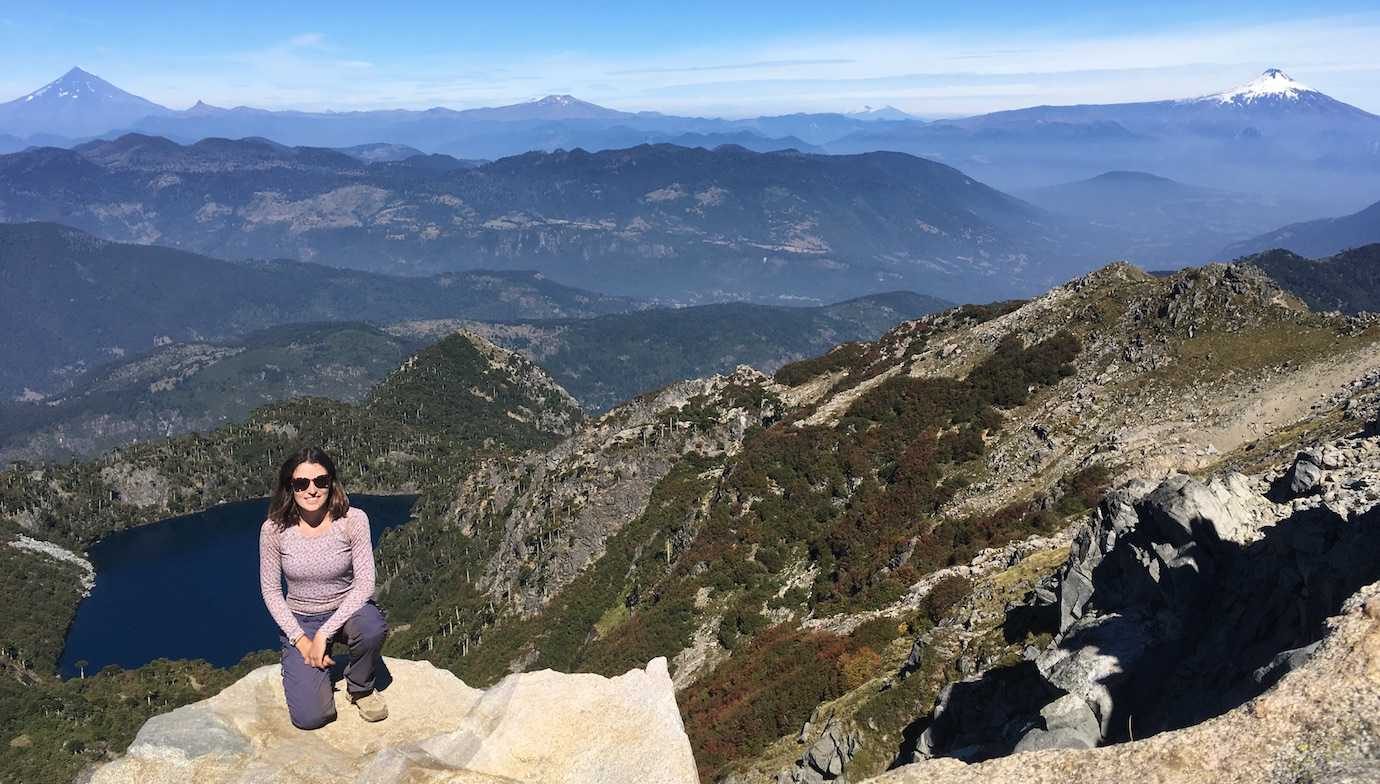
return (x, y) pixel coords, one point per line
(313, 497)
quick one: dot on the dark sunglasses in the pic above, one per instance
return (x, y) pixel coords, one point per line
(322, 482)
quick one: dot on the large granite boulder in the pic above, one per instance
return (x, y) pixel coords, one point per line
(530, 727)
(1306, 474)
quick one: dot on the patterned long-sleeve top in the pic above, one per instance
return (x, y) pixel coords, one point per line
(330, 571)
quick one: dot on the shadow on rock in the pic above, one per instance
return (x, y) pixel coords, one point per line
(1179, 602)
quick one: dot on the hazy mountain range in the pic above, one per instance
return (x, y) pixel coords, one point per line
(654, 221)
(199, 386)
(407, 191)
(664, 222)
(1271, 135)
(78, 106)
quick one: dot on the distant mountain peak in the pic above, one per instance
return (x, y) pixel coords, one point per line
(1123, 175)
(557, 106)
(202, 108)
(887, 112)
(79, 85)
(78, 103)
(1274, 84)
(563, 101)
(73, 85)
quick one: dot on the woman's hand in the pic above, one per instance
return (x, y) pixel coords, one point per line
(313, 650)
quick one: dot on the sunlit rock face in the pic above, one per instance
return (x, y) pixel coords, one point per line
(538, 727)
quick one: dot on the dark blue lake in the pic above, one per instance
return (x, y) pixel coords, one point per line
(187, 588)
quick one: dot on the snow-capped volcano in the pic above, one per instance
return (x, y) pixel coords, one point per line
(568, 107)
(887, 112)
(552, 107)
(1274, 85)
(77, 85)
(75, 104)
(1276, 94)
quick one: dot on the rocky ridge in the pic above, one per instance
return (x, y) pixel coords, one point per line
(1153, 571)
(607, 361)
(1174, 373)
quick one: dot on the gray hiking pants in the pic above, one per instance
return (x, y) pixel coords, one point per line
(310, 694)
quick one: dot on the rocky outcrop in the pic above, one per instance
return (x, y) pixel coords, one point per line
(1179, 601)
(532, 727)
(1321, 723)
(555, 510)
(826, 758)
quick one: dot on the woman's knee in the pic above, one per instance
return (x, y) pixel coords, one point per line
(311, 708)
(369, 627)
(306, 718)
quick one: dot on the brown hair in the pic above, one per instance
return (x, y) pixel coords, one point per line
(282, 506)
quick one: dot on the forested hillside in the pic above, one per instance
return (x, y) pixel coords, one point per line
(1348, 281)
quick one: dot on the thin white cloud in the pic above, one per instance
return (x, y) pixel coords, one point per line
(307, 39)
(729, 66)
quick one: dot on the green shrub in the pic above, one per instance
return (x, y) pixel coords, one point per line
(942, 598)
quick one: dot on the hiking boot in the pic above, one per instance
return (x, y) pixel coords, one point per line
(371, 706)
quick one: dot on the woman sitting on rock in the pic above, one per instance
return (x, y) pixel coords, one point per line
(321, 544)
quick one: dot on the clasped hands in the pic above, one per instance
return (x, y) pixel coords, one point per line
(314, 651)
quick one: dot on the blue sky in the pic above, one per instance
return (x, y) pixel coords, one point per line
(708, 57)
